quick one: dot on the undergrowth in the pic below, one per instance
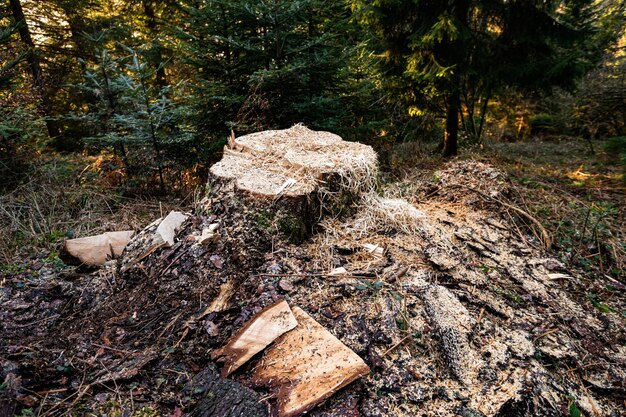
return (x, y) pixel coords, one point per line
(577, 196)
(65, 197)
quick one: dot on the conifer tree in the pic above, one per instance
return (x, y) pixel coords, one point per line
(442, 47)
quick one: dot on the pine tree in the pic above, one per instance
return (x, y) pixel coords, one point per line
(137, 120)
(463, 48)
(265, 64)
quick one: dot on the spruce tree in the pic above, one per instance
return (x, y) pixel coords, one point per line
(455, 49)
(260, 65)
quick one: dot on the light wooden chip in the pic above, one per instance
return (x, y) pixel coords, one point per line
(220, 303)
(376, 250)
(338, 271)
(169, 226)
(256, 335)
(95, 250)
(207, 237)
(306, 366)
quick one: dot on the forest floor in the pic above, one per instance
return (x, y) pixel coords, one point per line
(525, 241)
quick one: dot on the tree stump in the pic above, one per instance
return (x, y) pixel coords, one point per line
(290, 177)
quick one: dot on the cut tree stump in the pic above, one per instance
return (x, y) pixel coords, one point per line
(96, 250)
(294, 174)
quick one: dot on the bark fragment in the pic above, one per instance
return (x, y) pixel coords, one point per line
(96, 250)
(169, 226)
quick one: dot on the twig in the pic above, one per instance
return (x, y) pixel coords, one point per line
(51, 391)
(20, 326)
(394, 346)
(125, 352)
(313, 276)
(545, 334)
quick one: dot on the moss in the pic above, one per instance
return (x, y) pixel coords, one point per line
(264, 219)
(509, 294)
(293, 229)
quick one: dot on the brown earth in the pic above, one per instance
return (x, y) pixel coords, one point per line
(465, 313)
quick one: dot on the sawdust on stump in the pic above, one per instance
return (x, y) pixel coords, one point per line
(294, 175)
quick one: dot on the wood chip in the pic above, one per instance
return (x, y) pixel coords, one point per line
(338, 271)
(95, 250)
(207, 237)
(307, 365)
(220, 303)
(376, 250)
(556, 276)
(256, 335)
(169, 226)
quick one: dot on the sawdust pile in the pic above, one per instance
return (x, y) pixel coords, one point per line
(461, 315)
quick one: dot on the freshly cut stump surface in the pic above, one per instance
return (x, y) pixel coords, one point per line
(295, 170)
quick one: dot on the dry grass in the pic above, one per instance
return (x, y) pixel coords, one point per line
(578, 197)
(51, 204)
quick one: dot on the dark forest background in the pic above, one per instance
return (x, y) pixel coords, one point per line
(155, 87)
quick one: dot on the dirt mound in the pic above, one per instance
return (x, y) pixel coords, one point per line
(445, 299)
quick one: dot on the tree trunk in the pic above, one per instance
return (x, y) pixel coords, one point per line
(157, 48)
(35, 68)
(451, 134)
(483, 112)
(460, 10)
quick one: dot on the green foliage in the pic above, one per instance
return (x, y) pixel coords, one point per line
(7, 67)
(138, 121)
(616, 147)
(292, 228)
(160, 84)
(266, 64)
(20, 124)
(574, 411)
(543, 123)
(604, 308)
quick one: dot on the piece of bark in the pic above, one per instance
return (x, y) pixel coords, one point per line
(306, 366)
(169, 226)
(96, 250)
(265, 327)
(220, 303)
(453, 325)
(224, 397)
